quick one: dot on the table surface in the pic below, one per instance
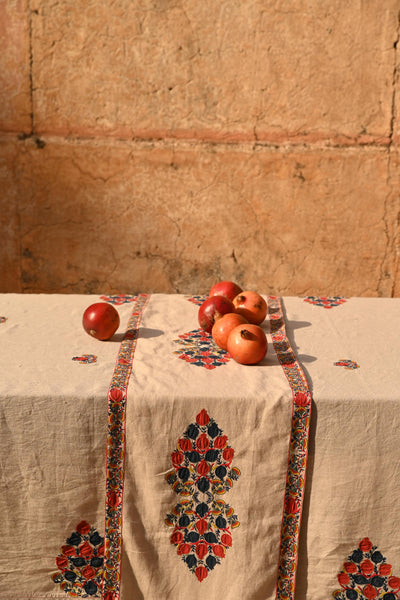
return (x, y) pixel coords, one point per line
(154, 466)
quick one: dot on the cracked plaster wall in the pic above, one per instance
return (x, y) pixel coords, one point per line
(161, 145)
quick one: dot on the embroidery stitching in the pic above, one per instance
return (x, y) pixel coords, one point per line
(198, 348)
(85, 359)
(116, 453)
(347, 364)
(80, 563)
(118, 299)
(202, 473)
(325, 301)
(295, 479)
(366, 575)
(197, 299)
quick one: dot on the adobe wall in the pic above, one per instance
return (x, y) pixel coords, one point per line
(162, 145)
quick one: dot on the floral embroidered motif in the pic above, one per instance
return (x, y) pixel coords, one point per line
(347, 364)
(118, 299)
(202, 472)
(297, 463)
(197, 299)
(116, 452)
(85, 359)
(366, 575)
(3, 319)
(80, 563)
(198, 348)
(325, 301)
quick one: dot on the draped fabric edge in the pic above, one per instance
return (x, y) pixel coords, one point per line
(297, 453)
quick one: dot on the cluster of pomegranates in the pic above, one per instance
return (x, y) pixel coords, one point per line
(233, 317)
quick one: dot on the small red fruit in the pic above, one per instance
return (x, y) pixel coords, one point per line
(225, 288)
(223, 326)
(252, 306)
(247, 344)
(212, 309)
(100, 320)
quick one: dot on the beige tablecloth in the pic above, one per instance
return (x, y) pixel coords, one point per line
(350, 353)
(153, 466)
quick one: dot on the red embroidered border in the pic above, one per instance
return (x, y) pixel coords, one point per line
(115, 459)
(297, 458)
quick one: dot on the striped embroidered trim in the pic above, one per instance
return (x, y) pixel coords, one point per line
(116, 401)
(297, 459)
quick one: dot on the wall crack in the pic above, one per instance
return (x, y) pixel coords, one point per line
(388, 271)
(31, 67)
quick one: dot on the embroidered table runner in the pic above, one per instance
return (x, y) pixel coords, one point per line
(153, 466)
(206, 463)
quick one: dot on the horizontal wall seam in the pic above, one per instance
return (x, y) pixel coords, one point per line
(228, 137)
(287, 144)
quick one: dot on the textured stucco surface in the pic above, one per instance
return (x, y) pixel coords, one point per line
(179, 219)
(10, 274)
(161, 145)
(251, 68)
(15, 80)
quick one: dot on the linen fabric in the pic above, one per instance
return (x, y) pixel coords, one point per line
(54, 449)
(53, 417)
(352, 488)
(252, 405)
(56, 439)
